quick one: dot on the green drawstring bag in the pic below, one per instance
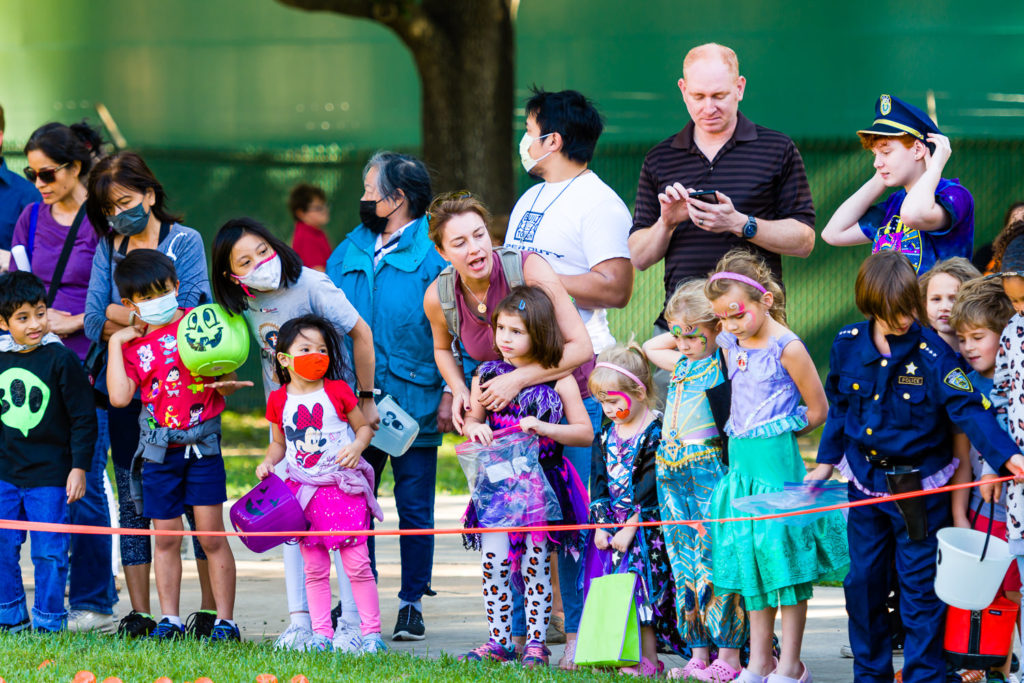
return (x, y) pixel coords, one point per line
(609, 632)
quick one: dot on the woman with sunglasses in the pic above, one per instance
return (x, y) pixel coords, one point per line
(54, 239)
(59, 159)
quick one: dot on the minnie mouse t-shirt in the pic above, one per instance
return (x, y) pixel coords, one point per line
(315, 426)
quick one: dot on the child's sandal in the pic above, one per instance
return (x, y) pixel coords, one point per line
(645, 668)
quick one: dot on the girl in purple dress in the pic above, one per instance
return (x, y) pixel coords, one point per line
(526, 333)
(770, 564)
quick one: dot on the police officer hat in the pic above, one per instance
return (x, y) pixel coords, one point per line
(893, 117)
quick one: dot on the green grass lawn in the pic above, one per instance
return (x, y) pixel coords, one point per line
(244, 441)
(144, 661)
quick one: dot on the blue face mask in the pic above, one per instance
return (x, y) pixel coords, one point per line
(159, 311)
(130, 221)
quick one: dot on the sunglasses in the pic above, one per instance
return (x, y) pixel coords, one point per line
(47, 175)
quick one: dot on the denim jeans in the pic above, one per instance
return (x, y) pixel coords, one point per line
(415, 475)
(92, 580)
(49, 556)
(581, 458)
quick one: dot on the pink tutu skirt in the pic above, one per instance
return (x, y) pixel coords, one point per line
(330, 509)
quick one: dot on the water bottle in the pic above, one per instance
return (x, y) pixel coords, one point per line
(397, 428)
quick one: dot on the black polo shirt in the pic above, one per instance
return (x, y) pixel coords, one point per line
(759, 169)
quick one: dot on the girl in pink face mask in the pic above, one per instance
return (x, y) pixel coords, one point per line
(320, 433)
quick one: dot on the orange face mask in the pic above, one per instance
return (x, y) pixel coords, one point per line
(310, 366)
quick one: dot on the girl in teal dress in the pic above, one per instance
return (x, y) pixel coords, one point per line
(770, 563)
(690, 462)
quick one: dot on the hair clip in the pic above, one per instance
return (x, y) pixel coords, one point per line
(522, 304)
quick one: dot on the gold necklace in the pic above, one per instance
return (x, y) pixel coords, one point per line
(481, 306)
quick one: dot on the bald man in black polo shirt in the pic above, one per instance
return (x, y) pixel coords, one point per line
(757, 174)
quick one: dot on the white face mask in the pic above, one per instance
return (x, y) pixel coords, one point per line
(524, 151)
(265, 277)
(158, 311)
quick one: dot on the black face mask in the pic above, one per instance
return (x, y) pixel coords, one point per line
(368, 216)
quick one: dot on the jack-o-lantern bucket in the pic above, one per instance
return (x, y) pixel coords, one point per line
(211, 341)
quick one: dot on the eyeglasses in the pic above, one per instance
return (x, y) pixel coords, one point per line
(47, 175)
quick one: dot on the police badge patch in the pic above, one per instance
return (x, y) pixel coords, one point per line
(956, 379)
(885, 105)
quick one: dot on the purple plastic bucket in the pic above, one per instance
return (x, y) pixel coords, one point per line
(269, 506)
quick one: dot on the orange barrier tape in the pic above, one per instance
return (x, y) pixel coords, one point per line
(698, 524)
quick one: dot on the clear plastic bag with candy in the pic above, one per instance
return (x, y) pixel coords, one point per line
(796, 496)
(508, 484)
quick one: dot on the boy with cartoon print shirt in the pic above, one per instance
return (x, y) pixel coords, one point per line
(178, 459)
(929, 218)
(47, 434)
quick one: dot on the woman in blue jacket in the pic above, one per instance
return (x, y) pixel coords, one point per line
(384, 267)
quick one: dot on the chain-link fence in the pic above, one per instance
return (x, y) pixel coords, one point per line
(211, 187)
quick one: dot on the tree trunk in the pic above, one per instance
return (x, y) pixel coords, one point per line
(464, 51)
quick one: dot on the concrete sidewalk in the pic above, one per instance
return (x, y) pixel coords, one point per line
(454, 618)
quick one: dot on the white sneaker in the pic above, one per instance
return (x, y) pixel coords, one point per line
(317, 643)
(373, 643)
(293, 638)
(83, 621)
(348, 639)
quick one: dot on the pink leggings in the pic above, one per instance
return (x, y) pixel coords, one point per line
(356, 560)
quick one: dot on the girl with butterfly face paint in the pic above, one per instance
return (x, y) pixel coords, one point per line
(691, 461)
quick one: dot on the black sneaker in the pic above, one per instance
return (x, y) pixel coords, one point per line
(336, 615)
(223, 632)
(136, 625)
(166, 630)
(409, 625)
(14, 628)
(200, 624)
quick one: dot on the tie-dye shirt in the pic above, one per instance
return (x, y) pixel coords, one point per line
(882, 225)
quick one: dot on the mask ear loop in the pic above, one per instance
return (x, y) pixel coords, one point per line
(241, 284)
(623, 413)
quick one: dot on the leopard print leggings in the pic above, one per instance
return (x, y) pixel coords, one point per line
(536, 570)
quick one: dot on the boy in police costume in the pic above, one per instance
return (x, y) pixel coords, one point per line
(928, 218)
(893, 387)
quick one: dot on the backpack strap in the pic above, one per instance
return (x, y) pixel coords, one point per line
(33, 219)
(512, 266)
(65, 254)
(446, 294)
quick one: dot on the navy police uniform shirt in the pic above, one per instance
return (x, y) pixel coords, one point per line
(897, 410)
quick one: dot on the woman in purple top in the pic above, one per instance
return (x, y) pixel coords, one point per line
(59, 160)
(458, 228)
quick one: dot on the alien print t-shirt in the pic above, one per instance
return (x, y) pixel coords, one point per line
(47, 416)
(315, 425)
(883, 226)
(171, 395)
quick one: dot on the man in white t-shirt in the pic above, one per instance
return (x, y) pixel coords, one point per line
(581, 227)
(573, 219)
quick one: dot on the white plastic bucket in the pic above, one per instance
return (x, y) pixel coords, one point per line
(964, 576)
(397, 428)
